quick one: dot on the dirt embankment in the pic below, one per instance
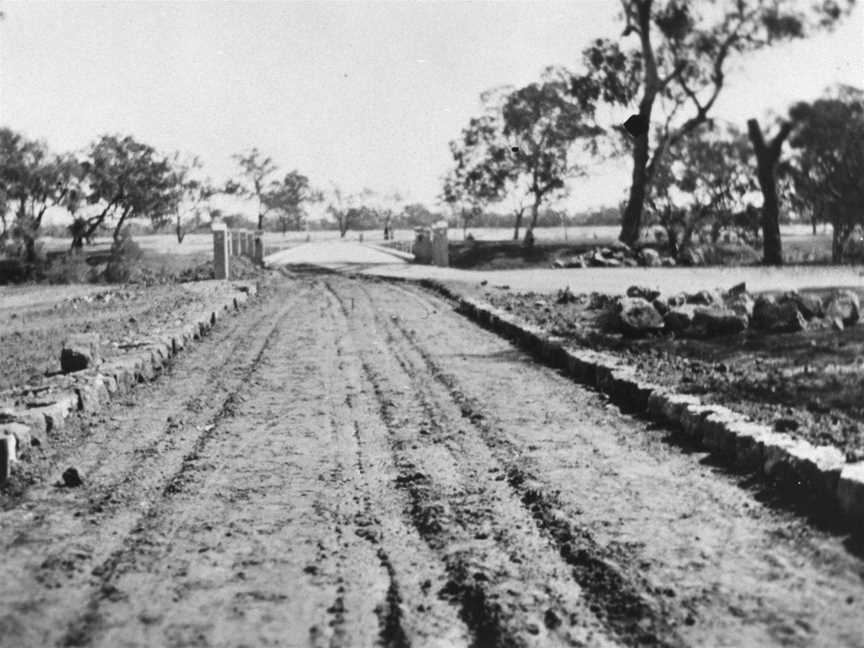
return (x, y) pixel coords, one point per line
(354, 464)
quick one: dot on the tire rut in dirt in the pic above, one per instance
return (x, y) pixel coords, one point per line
(510, 584)
(614, 599)
(71, 545)
(724, 568)
(78, 632)
(341, 592)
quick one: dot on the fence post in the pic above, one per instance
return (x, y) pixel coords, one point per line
(245, 243)
(235, 242)
(259, 248)
(440, 249)
(220, 250)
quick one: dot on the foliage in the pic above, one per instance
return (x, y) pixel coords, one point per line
(287, 198)
(678, 67)
(704, 182)
(127, 179)
(255, 172)
(523, 144)
(32, 179)
(828, 161)
(125, 255)
(195, 194)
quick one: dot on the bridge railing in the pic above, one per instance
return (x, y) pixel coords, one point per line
(228, 243)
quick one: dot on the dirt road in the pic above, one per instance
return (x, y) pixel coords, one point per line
(353, 464)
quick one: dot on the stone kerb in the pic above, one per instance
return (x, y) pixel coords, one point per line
(794, 466)
(37, 417)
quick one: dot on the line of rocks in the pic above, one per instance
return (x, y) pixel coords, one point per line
(817, 473)
(710, 313)
(88, 382)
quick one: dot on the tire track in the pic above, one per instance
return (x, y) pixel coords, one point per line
(59, 560)
(469, 518)
(616, 600)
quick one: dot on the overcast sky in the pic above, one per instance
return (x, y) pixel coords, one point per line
(364, 94)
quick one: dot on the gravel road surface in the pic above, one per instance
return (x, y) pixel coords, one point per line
(350, 463)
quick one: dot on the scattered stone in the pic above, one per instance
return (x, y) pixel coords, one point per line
(843, 304)
(704, 297)
(737, 289)
(742, 304)
(648, 294)
(638, 317)
(660, 305)
(668, 262)
(679, 318)
(770, 316)
(810, 306)
(71, 478)
(677, 300)
(80, 351)
(650, 257)
(717, 321)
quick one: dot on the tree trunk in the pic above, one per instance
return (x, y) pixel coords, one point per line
(631, 219)
(518, 224)
(535, 212)
(767, 157)
(119, 225)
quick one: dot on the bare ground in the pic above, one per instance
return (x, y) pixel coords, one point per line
(353, 464)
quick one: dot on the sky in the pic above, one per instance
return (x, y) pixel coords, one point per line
(363, 94)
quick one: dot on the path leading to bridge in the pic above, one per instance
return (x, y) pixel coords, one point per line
(351, 463)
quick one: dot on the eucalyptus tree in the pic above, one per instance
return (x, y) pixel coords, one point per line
(677, 68)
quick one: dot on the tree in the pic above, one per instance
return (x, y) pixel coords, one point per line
(702, 182)
(524, 143)
(483, 166)
(543, 122)
(684, 48)
(288, 197)
(414, 215)
(33, 180)
(828, 160)
(767, 160)
(255, 172)
(127, 179)
(195, 193)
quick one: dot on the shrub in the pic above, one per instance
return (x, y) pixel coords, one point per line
(70, 267)
(125, 256)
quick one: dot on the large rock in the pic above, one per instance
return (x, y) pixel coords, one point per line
(843, 305)
(636, 317)
(742, 304)
(80, 351)
(809, 306)
(704, 297)
(650, 257)
(648, 294)
(774, 317)
(711, 321)
(679, 318)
